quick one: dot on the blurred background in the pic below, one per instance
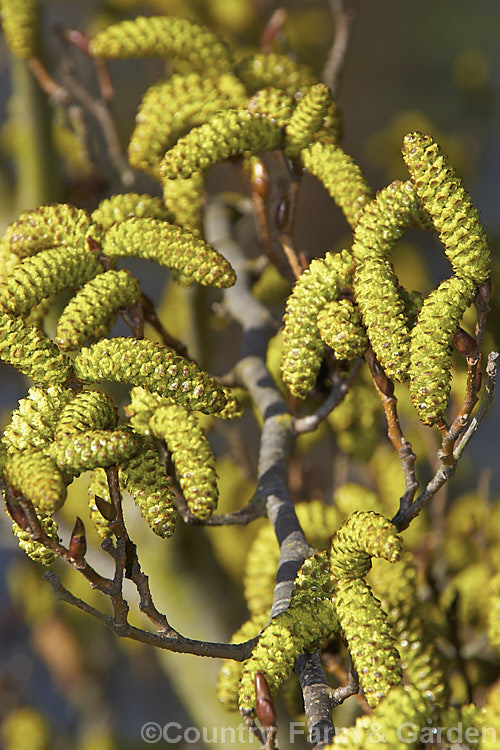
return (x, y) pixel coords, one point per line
(410, 65)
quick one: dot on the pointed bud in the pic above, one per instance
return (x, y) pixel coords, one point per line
(380, 379)
(483, 295)
(266, 713)
(105, 509)
(282, 213)
(465, 344)
(77, 544)
(17, 514)
(81, 41)
(259, 177)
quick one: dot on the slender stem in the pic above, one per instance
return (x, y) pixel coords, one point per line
(339, 390)
(344, 14)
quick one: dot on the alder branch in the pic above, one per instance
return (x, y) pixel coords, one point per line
(317, 700)
(277, 435)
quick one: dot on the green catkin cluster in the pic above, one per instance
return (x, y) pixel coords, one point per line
(162, 36)
(45, 274)
(145, 478)
(94, 308)
(169, 109)
(185, 200)
(229, 676)
(308, 622)
(307, 119)
(341, 176)
(395, 209)
(272, 103)
(321, 283)
(83, 451)
(449, 206)
(191, 455)
(30, 351)
(364, 535)
(35, 550)
(89, 410)
(123, 206)
(170, 246)
(36, 476)
(465, 245)
(34, 422)
(277, 70)
(431, 346)
(55, 225)
(98, 485)
(20, 26)
(341, 328)
(224, 136)
(384, 728)
(396, 587)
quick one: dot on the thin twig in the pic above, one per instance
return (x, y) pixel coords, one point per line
(343, 14)
(339, 390)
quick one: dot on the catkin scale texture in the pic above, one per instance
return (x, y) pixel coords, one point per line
(275, 69)
(163, 36)
(192, 457)
(169, 109)
(307, 119)
(35, 550)
(341, 176)
(141, 362)
(95, 306)
(449, 207)
(50, 226)
(145, 478)
(171, 246)
(37, 477)
(20, 27)
(33, 423)
(31, 352)
(302, 353)
(340, 327)
(123, 206)
(431, 346)
(84, 451)
(46, 274)
(363, 535)
(89, 410)
(225, 135)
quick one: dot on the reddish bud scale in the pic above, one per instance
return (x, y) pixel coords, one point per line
(266, 713)
(78, 543)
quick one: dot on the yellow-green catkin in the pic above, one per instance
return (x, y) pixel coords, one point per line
(449, 206)
(341, 176)
(25, 726)
(20, 27)
(363, 535)
(494, 615)
(369, 639)
(275, 69)
(307, 119)
(33, 423)
(123, 206)
(184, 199)
(431, 346)
(89, 410)
(36, 476)
(170, 108)
(31, 352)
(36, 550)
(154, 366)
(84, 451)
(229, 677)
(58, 224)
(396, 587)
(309, 621)
(172, 247)
(47, 273)
(146, 480)
(395, 209)
(340, 326)
(321, 283)
(191, 455)
(164, 36)
(273, 103)
(226, 135)
(383, 728)
(95, 306)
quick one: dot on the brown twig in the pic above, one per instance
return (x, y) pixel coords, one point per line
(317, 700)
(344, 14)
(340, 387)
